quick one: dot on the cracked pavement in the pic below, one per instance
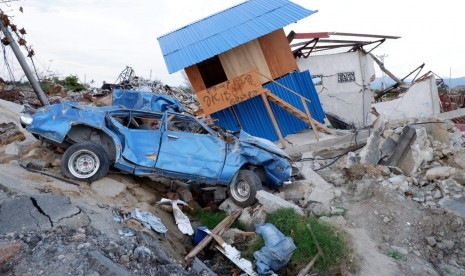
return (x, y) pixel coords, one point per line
(40, 212)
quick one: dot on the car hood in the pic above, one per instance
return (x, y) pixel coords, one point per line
(262, 143)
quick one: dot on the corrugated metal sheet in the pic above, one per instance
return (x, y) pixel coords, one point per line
(254, 117)
(225, 30)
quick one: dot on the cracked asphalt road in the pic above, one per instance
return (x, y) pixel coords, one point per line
(39, 212)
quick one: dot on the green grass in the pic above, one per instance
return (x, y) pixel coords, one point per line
(394, 254)
(334, 243)
(212, 219)
(447, 271)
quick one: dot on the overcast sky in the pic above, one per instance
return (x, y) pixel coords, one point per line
(96, 39)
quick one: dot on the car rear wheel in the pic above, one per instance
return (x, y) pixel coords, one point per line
(244, 189)
(86, 161)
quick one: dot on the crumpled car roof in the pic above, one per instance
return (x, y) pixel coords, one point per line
(147, 101)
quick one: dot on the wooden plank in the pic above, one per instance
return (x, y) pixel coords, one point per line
(323, 128)
(278, 54)
(245, 58)
(309, 266)
(217, 230)
(273, 120)
(310, 119)
(193, 74)
(230, 92)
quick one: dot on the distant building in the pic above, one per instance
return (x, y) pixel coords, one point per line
(342, 71)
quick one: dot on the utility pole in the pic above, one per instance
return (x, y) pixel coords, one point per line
(22, 61)
(450, 77)
(383, 74)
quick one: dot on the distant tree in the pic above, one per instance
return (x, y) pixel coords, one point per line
(70, 82)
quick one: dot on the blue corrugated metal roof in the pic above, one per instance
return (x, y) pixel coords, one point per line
(227, 29)
(254, 118)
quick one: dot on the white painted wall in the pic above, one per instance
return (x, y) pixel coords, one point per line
(421, 100)
(352, 100)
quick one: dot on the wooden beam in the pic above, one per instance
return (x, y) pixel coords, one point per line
(273, 119)
(217, 230)
(310, 119)
(323, 128)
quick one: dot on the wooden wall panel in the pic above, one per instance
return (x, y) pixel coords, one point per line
(231, 92)
(277, 53)
(245, 58)
(195, 78)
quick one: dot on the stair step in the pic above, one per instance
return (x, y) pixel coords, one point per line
(288, 107)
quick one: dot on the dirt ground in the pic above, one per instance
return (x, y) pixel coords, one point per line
(401, 230)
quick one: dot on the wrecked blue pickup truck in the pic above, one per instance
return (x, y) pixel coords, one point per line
(147, 134)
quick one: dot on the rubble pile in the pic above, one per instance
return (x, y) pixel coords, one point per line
(25, 95)
(422, 162)
(425, 158)
(188, 99)
(84, 251)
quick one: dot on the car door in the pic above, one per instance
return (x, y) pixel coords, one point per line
(190, 148)
(141, 135)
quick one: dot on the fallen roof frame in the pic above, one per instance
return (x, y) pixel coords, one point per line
(323, 41)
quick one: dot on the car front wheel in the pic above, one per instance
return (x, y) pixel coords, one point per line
(244, 189)
(86, 161)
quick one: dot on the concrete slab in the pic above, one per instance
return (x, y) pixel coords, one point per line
(454, 205)
(272, 203)
(304, 142)
(108, 187)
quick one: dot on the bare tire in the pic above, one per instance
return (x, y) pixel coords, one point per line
(85, 161)
(244, 189)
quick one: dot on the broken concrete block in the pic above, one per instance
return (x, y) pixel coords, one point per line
(103, 265)
(251, 217)
(108, 187)
(334, 220)
(297, 190)
(445, 244)
(459, 177)
(145, 195)
(184, 194)
(319, 209)
(387, 147)
(9, 132)
(420, 153)
(371, 154)
(458, 159)
(438, 131)
(440, 172)
(272, 203)
(12, 149)
(10, 152)
(405, 141)
(322, 191)
(229, 206)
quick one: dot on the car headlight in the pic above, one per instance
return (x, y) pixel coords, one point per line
(25, 120)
